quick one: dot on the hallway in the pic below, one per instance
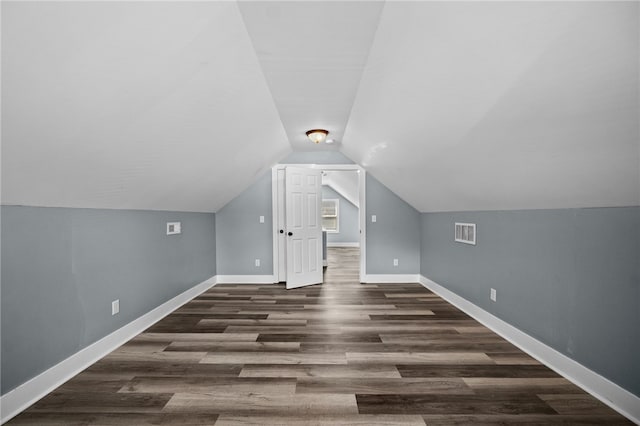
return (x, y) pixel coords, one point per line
(337, 353)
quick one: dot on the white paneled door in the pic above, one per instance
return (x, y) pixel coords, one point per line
(304, 227)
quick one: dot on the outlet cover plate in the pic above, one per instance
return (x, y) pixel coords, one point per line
(115, 307)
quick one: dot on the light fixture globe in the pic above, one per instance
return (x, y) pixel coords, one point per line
(317, 135)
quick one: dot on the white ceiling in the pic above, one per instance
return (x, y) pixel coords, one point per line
(143, 105)
(345, 183)
(453, 105)
(312, 55)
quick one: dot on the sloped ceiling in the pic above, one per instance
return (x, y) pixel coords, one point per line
(312, 55)
(452, 105)
(502, 105)
(142, 105)
(344, 182)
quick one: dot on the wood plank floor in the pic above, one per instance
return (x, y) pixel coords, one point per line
(341, 353)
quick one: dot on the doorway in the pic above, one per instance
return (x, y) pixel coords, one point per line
(279, 213)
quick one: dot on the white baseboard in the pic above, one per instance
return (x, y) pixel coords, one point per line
(390, 278)
(621, 400)
(337, 244)
(15, 401)
(605, 390)
(246, 279)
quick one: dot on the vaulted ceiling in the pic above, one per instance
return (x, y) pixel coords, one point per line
(452, 105)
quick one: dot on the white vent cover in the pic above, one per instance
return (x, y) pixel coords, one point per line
(466, 233)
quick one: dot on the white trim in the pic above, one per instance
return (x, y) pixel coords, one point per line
(362, 199)
(12, 403)
(339, 244)
(605, 390)
(342, 166)
(274, 216)
(362, 208)
(246, 279)
(391, 278)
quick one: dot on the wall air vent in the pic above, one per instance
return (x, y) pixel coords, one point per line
(466, 233)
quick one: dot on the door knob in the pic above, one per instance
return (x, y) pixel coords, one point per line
(282, 231)
(289, 233)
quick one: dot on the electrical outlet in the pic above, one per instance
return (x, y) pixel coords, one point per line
(261, 219)
(493, 294)
(373, 218)
(395, 262)
(115, 306)
(257, 262)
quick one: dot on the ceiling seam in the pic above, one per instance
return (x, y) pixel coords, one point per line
(364, 67)
(264, 77)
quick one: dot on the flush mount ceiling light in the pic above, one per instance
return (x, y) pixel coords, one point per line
(317, 135)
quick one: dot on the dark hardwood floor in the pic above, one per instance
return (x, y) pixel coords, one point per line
(337, 353)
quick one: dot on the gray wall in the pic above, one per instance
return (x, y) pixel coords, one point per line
(570, 278)
(395, 233)
(347, 218)
(62, 268)
(241, 238)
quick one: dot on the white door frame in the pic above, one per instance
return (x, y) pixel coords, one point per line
(361, 209)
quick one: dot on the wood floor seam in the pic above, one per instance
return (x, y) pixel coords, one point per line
(339, 353)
